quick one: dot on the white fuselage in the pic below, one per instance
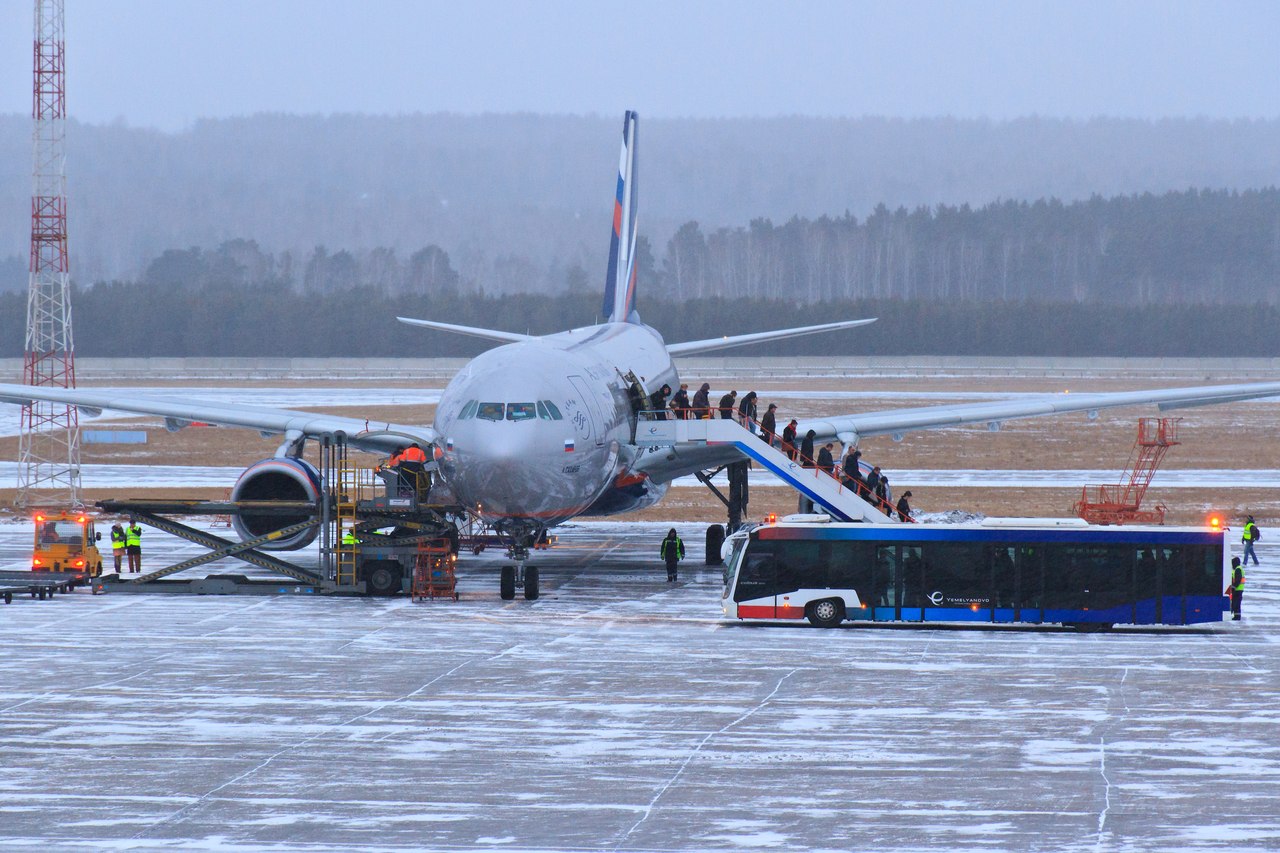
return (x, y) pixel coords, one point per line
(514, 459)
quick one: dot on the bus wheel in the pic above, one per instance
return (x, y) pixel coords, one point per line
(827, 613)
(507, 585)
(531, 583)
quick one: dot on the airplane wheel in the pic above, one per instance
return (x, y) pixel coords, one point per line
(827, 613)
(531, 584)
(508, 585)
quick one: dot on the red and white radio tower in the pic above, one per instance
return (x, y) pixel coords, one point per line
(49, 444)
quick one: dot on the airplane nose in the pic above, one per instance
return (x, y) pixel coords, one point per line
(517, 469)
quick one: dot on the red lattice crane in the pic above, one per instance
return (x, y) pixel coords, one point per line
(49, 441)
(1121, 503)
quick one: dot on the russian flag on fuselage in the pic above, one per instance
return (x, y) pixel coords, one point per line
(620, 281)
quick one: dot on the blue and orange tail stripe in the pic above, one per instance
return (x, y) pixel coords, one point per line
(620, 281)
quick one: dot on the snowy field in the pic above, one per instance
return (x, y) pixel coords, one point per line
(620, 713)
(104, 476)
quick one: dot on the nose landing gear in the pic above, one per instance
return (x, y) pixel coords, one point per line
(519, 575)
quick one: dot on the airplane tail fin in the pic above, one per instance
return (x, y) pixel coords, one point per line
(620, 282)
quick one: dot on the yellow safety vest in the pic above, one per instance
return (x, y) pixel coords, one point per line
(1247, 535)
(349, 538)
(118, 539)
(133, 535)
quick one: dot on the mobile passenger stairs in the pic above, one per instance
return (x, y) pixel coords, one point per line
(380, 532)
(825, 490)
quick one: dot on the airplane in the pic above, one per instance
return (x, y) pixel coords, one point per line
(541, 429)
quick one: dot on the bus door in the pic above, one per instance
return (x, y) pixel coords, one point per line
(899, 583)
(1028, 601)
(1004, 583)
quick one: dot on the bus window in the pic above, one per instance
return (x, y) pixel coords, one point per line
(800, 565)
(757, 577)
(731, 564)
(1204, 575)
(851, 565)
(956, 575)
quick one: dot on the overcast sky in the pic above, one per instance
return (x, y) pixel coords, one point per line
(165, 63)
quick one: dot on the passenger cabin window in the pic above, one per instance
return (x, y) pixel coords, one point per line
(521, 411)
(489, 412)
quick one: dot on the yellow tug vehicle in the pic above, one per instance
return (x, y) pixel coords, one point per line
(65, 541)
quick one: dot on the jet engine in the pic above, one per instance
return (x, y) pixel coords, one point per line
(280, 478)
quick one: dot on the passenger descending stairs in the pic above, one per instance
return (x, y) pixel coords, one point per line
(823, 489)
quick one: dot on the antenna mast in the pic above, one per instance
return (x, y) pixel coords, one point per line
(49, 443)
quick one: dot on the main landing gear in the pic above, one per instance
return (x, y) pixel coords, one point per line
(519, 575)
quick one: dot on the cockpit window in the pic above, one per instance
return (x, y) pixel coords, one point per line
(521, 412)
(552, 410)
(468, 411)
(542, 411)
(489, 412)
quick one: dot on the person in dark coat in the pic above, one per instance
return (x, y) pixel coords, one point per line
(680, 402)
(789, 439)
(672, 551)
(851, 474)
(747, 411)
(882, 492)
(658, 402)
(806, 449)
(870, 482)
(726, 405)
(904, 506)
(769, 424)
(826, 459)
(702, 402)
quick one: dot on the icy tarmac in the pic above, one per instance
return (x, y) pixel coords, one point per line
(620, 713)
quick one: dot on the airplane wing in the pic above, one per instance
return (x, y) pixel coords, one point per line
(365, 435)
(665, 465)
(709, 344)
(473, 331)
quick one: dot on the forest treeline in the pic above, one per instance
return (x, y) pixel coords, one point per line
(519, 201)
(1196, 247)
(271, 318)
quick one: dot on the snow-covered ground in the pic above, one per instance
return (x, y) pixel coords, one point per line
(183, 476)
(620, 712)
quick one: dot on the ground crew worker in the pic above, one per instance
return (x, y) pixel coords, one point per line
(1248, 537)
(133, 545)
(672, 551)
(413, 465)
(349, 539)
(117, 545)
(1236, 589)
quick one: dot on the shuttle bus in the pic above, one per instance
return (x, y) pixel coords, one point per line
(998, 570)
